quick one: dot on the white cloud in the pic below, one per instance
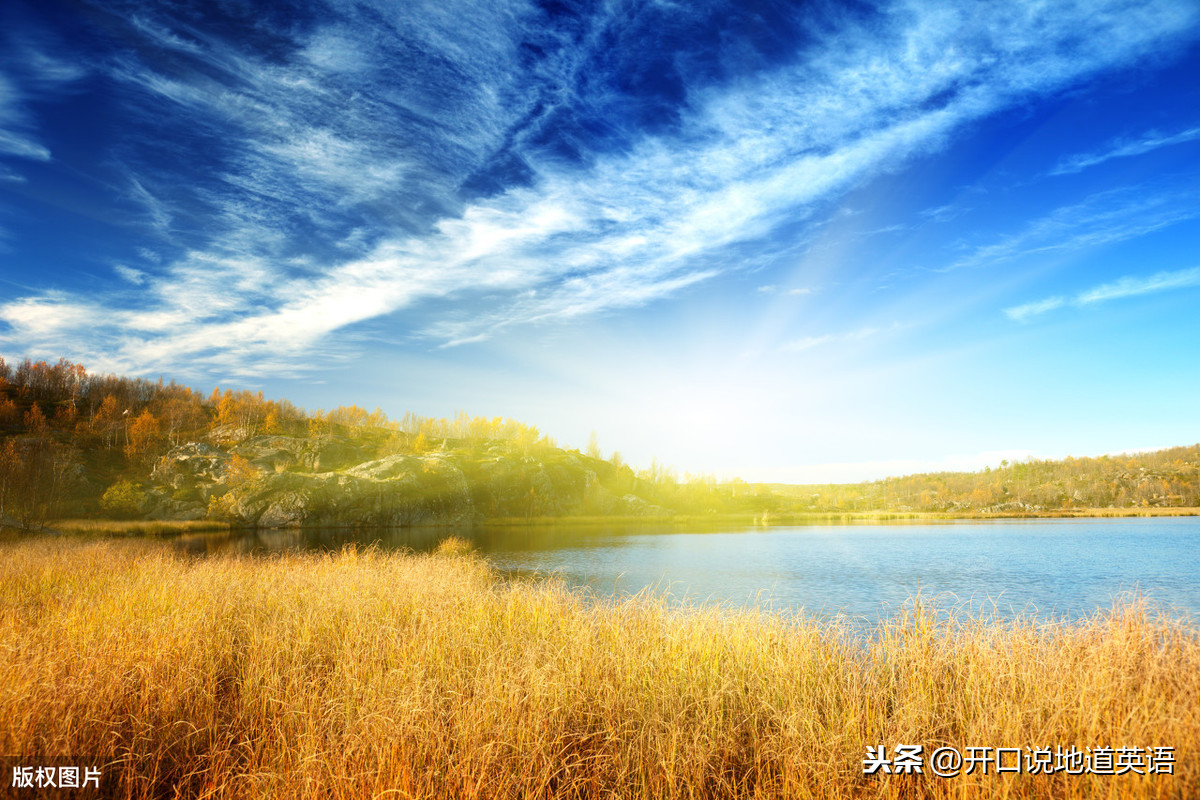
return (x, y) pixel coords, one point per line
(809, 342)
(13, 144)
(1102, 219)
(1128, 286)
(1149, 141)
(134, 276)
(616, 231)
(7, 174)
(1024, 312)
(158, 213)
(1131, 286)
(28, 70)
(797, 291)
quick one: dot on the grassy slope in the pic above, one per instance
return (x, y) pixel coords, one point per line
(378, 675)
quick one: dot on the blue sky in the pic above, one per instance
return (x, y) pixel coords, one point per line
(794, 242)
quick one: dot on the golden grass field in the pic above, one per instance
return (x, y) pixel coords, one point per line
(375, 675)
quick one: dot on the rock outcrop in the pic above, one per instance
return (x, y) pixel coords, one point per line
(280, 481)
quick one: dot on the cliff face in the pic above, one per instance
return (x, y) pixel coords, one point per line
(279, 481)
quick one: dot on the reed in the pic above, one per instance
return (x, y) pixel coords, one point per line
(137, 527)
(366, 674)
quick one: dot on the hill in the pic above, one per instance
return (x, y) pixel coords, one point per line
(76, 444)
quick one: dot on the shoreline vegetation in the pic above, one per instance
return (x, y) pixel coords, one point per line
(168, 527)
(373, 674)
(75, 445)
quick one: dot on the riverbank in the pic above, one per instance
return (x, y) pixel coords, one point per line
(837, 517)
(167, 527)
(367, 674)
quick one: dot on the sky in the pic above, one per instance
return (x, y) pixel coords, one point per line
(795, 242)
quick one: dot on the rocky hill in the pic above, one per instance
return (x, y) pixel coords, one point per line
(74, 444)
(283, 481)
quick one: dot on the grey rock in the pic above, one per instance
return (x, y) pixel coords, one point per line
(633, 505)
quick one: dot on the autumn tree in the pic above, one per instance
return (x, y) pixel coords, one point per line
(182, 414)
(107, 419)
(242, 411)
(11, 465)
(145, 434)
(9, 413)
(240, 471)
(33, 476)
(64, 416)
(35, 421)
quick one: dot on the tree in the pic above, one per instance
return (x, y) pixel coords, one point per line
(35, 420)
(181, 414)
(240, 472)
(145, 434)
(11, 465)
(9, 413)
(593, 447)
(33, 473)
(107, 419)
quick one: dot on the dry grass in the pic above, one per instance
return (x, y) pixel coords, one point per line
(137, 527)
(366, 674)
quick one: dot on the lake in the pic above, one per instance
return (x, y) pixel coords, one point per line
(1057, 568)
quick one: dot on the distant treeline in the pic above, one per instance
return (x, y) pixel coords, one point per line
(1162, 478)
(72, 442)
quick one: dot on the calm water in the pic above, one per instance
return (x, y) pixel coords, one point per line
(1066, 568)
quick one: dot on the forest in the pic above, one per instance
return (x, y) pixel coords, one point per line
(79, 445)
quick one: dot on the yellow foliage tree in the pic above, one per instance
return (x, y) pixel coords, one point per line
(145, 433)
(106, 419)
(35, 420)
(240, 471)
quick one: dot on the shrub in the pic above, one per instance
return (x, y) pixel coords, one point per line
(123, 498)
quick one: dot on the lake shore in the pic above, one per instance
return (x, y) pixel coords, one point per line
(167, 527)
(365, 674)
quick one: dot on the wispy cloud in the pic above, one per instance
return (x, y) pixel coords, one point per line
(1102, 219)
(7, 174)
(29, 70)
(130, 274)
(13, 144)
(1124, 148)
(1128, 286)
(1023, 312)
(345, 187)
(798, 291)
(1131, 286)
(809, 342)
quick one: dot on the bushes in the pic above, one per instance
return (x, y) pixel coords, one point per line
(123, 499)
